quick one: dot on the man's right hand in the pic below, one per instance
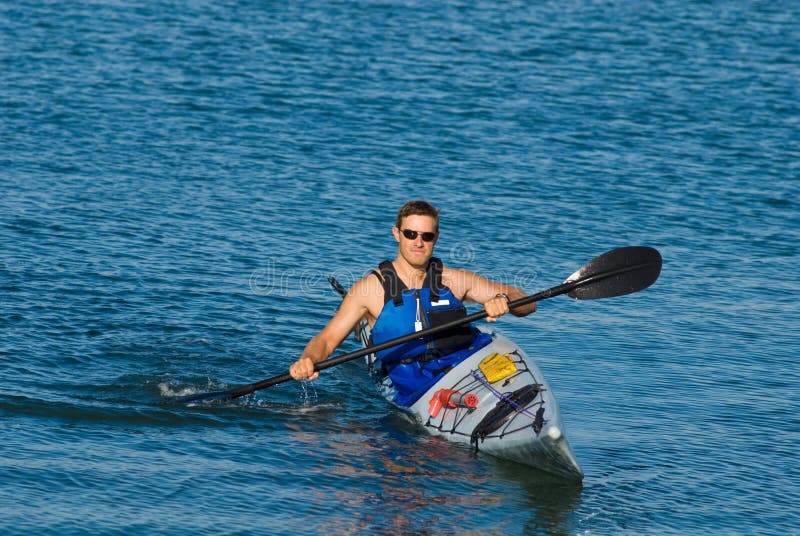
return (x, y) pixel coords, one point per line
(303, 369)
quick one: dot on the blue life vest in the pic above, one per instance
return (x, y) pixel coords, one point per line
(417, 365)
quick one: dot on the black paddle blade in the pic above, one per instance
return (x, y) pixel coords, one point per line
(617, 272)
(337, 286)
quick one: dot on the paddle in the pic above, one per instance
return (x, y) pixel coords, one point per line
(614, 273)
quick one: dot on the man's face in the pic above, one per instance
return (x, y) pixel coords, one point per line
(416, 251)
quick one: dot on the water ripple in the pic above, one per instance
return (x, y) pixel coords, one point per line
(178, 181)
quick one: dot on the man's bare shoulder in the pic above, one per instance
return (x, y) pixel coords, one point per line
(367, 295)
(458, 280)
(367, 285)
(449, 271)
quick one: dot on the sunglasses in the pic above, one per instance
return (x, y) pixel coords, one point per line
(412, 235)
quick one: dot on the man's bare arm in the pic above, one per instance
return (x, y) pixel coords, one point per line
(322, 345)
(492, 295)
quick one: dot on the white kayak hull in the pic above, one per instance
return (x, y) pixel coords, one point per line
(516, 417)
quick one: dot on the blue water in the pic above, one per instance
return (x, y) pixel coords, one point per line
(178, 179)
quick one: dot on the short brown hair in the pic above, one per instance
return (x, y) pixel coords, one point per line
(418, 208)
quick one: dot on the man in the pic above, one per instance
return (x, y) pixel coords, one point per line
(412, 293)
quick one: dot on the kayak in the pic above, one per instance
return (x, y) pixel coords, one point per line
(496, 400)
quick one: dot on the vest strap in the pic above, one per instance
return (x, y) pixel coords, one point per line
(433, 278)
(393, 286)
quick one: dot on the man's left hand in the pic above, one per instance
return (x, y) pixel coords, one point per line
(496, 307)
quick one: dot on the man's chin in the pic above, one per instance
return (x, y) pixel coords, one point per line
(419, 258)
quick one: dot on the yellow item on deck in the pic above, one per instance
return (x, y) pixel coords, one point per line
(497, 367)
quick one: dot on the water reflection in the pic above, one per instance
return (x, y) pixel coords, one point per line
(386, 476)
(554, 500)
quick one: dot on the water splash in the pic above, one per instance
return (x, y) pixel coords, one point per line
(309, 393)
(169, 389)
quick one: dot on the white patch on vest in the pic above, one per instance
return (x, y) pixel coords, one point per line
(418, 322)
(440, 302)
